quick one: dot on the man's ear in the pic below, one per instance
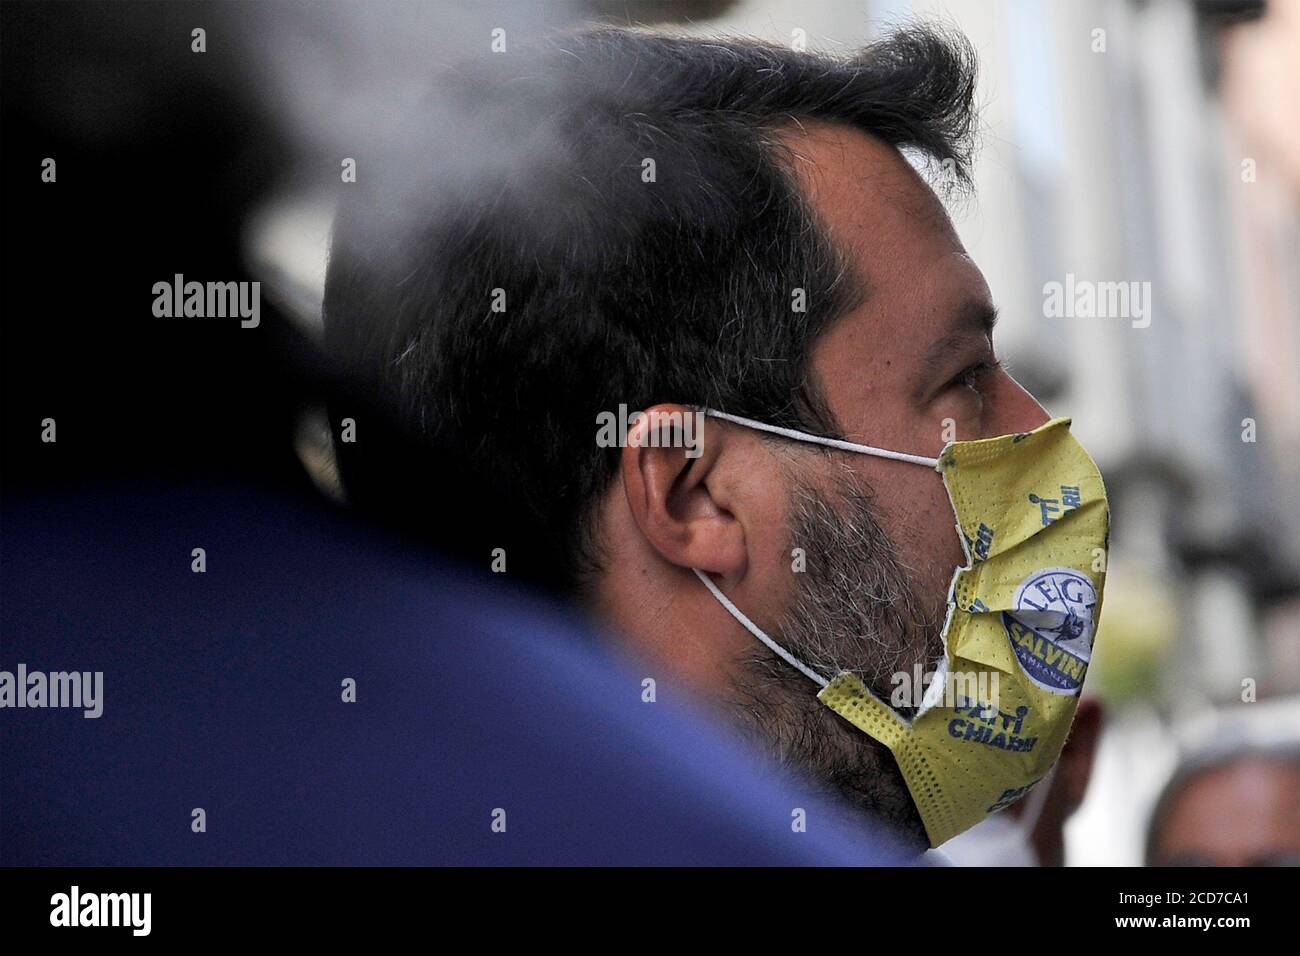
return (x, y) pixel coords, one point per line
(680, 488)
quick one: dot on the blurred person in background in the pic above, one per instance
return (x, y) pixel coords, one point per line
(1032, 832)
(1234, 804)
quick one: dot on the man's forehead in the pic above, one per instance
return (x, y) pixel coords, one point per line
(924, 302)
(876, 205)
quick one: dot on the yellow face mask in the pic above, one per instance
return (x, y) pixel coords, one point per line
(1032, 516)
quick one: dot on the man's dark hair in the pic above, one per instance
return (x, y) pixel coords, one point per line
(623, 283)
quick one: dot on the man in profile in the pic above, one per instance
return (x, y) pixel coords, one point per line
(624, 219)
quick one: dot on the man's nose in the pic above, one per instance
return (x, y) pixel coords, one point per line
(1015, 410)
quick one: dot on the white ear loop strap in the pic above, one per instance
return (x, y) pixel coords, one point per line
(754, 629)
(828, 442)
(736, 612)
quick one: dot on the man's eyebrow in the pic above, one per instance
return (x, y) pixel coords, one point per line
(974, 318)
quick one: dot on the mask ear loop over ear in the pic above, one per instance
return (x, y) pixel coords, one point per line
(790, 433)
(828, 442)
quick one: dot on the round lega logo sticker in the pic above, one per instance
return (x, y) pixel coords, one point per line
(1051, 628)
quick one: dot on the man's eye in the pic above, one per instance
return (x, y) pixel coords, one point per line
(975, 375)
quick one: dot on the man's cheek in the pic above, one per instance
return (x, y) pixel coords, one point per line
(933, 538)
(930, 576)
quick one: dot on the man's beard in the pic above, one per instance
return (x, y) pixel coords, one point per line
(854, 609)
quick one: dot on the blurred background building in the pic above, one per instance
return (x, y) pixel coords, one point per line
(1125, 141)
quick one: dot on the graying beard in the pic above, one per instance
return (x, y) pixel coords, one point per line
(854, 609)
